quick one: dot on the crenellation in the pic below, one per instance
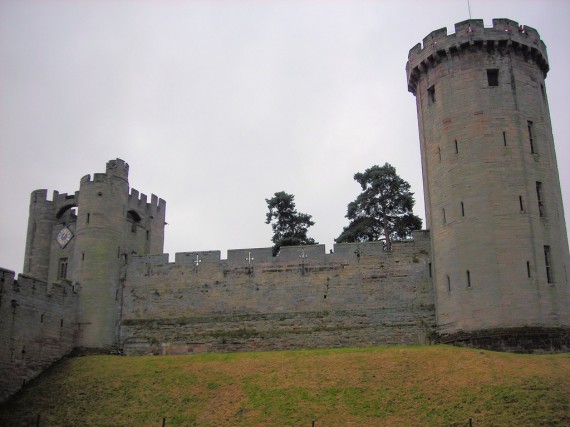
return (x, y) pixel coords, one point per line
(472, 34)
(99, 177)
(39, 196)
(206, 257)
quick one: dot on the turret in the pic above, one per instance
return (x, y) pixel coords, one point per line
(100, 233)
(492, 193)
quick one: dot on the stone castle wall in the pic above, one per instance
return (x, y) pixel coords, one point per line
(38, 326)
(357, 296)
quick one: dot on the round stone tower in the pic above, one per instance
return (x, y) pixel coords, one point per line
(492, 193)
(102, 209)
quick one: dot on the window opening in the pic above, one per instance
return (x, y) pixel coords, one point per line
(493, 77)
(448, 284)
(439, 153)
(521, 204)
(505, 138)
(88, 218)
(528, 269)
(547, 261)
(429, 267)
(468, 279)
(62, 268)
(456, 147)
(539, 198)
(462, 209)
(443, 214)
(431, 94)
(531, 136)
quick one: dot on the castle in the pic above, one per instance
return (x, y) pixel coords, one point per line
(490, 272)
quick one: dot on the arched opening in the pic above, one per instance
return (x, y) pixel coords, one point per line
(134, 218)
(67, 214)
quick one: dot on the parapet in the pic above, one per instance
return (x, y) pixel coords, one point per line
(200, 257)
(505, 34)
(114, 168)
(138, 202)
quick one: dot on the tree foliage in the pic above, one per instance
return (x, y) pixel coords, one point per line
(383, 208)
(289, 226)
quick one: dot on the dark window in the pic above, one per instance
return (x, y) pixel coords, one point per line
(493, 77)
(448, 284)
(88, 218)
(443, 216)
(521, 204)
(462, 209)
(539, 198)
(431, 94)
(439, 153)
(468, 279)
(429, 266)
(531, 137)
(62, 272)
(542, 91)
(504, 138)
(548, 261)
(528, 268)
(456, 147)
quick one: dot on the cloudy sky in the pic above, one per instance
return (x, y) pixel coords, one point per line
(216, 105)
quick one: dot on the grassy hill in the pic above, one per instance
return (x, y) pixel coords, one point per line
(399, 386)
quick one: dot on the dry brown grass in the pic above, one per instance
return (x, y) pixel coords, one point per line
(383, 386)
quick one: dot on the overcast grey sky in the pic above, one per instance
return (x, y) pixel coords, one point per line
(216, 105)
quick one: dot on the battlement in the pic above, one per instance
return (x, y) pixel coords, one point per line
(289, 255)
(505, 34)
(138, 202)
(117, 168)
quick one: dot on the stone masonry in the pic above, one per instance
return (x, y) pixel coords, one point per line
(492, 271)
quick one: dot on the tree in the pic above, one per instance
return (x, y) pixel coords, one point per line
(289, 226)
(383, 209)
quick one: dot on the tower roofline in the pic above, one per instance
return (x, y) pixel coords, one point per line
(470, 34)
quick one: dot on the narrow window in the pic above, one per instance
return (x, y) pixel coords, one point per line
(431, 94)
(61, 323)
(504, 138)
(443, 216)
(468, 279)
(88, 218)
(448, 284)
(531, 137)
(521, 204)
(147, 235)
(462, 209)
(493, 77)
(42, 318)
(539, 198)
(429, 267)
(456, 147)
(62, 268)
(547, 261)
(439, 153)
(528, 269)
(542, 92)
(82, 256)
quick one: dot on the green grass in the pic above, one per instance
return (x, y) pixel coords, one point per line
(400, 386)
